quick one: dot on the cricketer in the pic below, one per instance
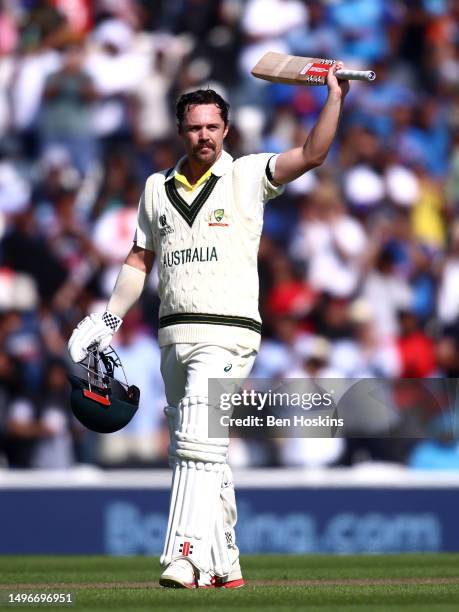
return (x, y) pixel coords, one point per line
(202, 221)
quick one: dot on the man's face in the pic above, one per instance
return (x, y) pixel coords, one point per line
(202, 132)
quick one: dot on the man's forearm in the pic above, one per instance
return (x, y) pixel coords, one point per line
(128, 289)
(130, 282)
(320, 138)
(295, 162)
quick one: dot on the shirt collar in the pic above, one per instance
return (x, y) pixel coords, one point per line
(220, 167)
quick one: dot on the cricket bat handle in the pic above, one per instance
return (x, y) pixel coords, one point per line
(355, 75)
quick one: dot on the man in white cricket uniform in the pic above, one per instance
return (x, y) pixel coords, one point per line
(202, 220)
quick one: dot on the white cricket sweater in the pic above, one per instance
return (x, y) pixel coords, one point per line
(207, 250)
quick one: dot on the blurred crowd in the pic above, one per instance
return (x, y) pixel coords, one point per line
(359, 261)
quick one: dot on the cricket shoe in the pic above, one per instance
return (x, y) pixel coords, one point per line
(233, 580)
(179, 574)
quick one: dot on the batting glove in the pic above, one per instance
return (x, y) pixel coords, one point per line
(95, 330)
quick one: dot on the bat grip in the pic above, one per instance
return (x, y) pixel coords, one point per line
(356, 75)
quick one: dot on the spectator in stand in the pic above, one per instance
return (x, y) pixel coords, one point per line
(441, 451)
(416, 349)
(37, 58)
(387, 293)
(66, 113)
(152, 119)
(41, 427)
(317, 37)
(113, 231)
(277, 352)
(448, 294)
(290, 294)
(116, 68)
(365, 353)
(331, 242)
(313, 359)
(10, 453)
(265, 25)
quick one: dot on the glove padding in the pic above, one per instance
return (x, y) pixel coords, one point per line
(95, 330)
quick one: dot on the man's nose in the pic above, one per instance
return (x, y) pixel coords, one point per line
(203, 134)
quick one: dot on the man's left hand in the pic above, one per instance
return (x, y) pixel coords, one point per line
(94, 330)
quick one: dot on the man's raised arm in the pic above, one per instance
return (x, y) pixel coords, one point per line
(293, 163)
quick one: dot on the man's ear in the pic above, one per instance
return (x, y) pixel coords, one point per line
(225, 132)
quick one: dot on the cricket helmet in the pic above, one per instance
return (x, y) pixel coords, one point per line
(98, 400)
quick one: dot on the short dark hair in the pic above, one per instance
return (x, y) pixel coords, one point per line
(201, 96)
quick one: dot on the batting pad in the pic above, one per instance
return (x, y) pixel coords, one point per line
(171, 415)
(224, 551)
(195, 504)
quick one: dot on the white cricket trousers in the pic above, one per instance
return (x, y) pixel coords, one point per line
(186, 369)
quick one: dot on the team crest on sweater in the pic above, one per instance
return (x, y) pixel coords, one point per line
(216, 218)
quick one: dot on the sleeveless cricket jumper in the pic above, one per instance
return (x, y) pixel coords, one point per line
(206, 242)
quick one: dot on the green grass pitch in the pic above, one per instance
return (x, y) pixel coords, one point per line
(274, 582)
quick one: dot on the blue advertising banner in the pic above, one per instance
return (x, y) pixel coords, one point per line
(128, 521)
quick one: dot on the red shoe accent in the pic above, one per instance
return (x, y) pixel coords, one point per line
(211, 584)
(216, 583)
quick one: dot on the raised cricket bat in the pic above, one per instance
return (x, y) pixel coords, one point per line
(295, 70)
